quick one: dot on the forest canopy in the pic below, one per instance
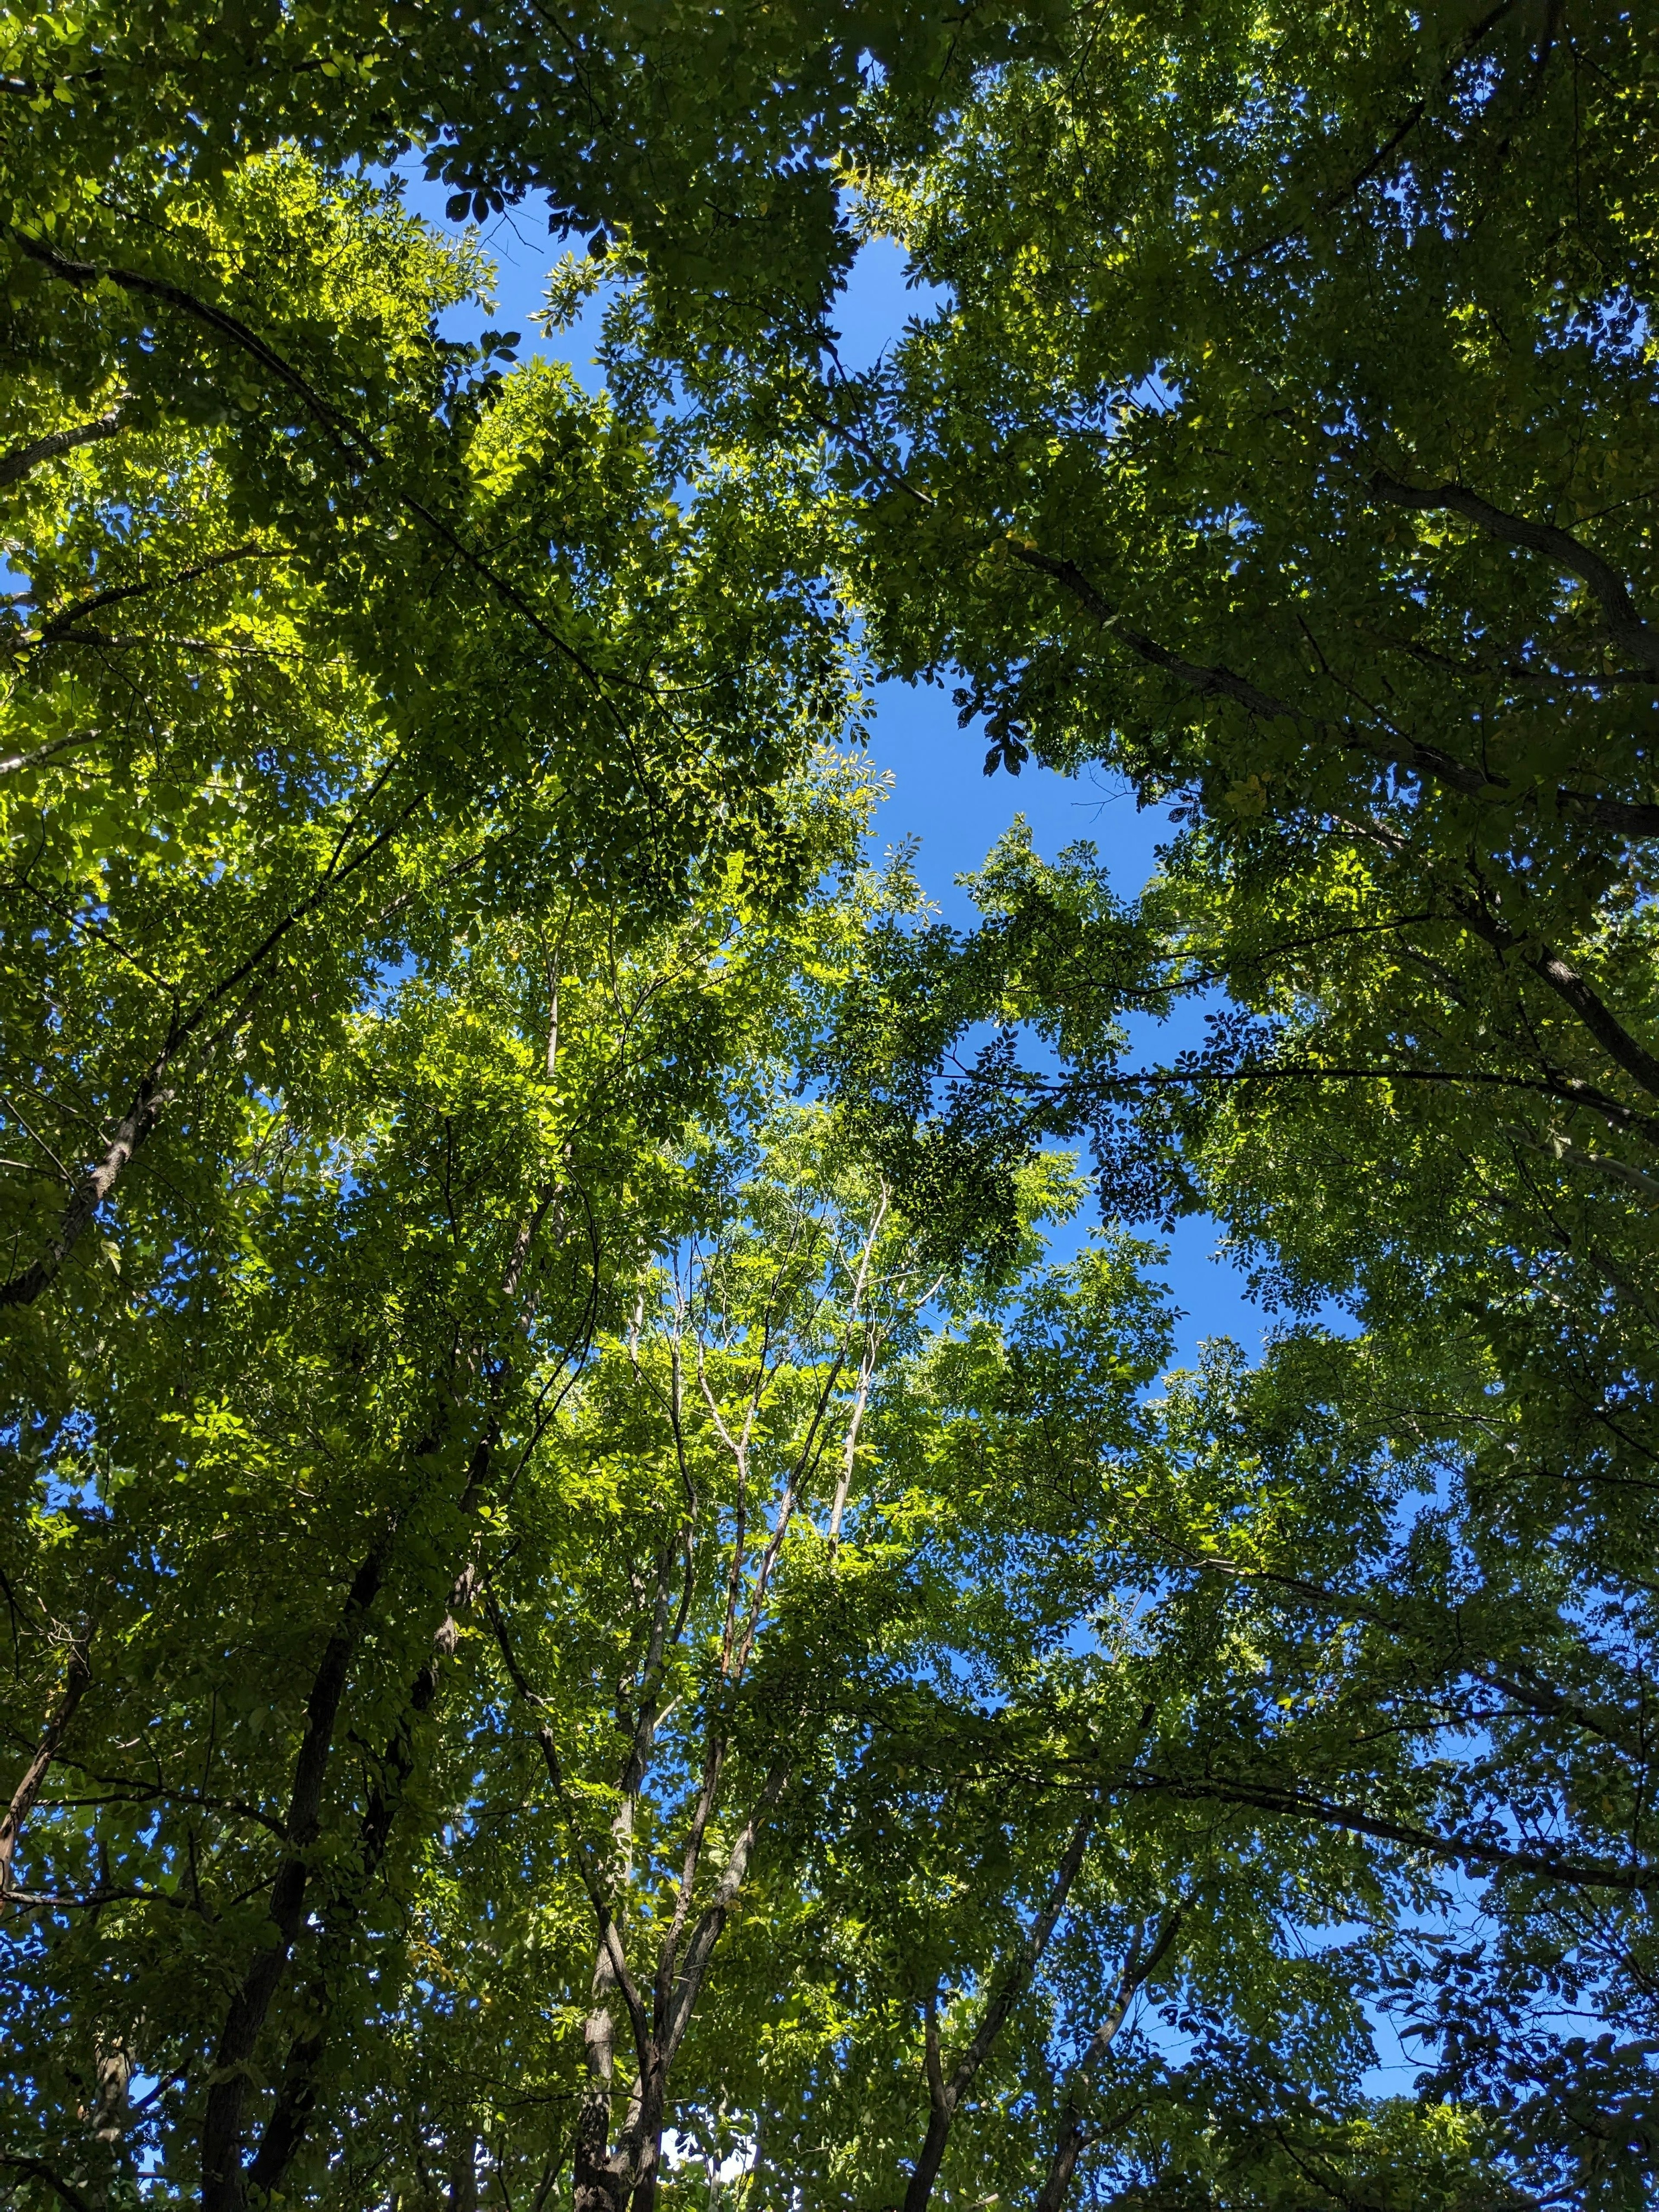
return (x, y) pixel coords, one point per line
(613, 1594)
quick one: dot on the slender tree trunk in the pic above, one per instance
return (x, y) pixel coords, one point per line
(111, 2117)
(150, 1101)
(223, 2183)
(77, 1675)
(286, 2126)
(925, 2172)
(464, 2176)
(1076, 2135)
(1073, 2142)
(285, 2129)
(945, 2096)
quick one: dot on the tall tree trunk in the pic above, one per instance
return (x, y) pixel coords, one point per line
(111, 2117)
(1073, 2142)
(224, 2183)
(596, 2187)
(464, 2176)
(285, 2128)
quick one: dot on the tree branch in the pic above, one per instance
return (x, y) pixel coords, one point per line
(154, 1093)
(597, 1900)
(82, 275)
(1625, 1050)
(1627, 819)
(58, 624)
(1452, 1850)
(77, 1675)
(1566, 1087)
(707, 1932)
(23, 461)
(1625, 626)
(34, 2169)
(1138, 1969)
(945, 2097)
(223, 2183)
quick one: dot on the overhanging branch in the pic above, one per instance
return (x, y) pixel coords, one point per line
(1625, 626)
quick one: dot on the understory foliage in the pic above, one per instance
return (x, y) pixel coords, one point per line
(609, 1595)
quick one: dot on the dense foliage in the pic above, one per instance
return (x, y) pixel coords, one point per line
(595, 1615)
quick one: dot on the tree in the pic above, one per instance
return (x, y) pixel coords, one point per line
(1277, 435)
(362, 958)
(1278, 367)
(1035, 1956)
(228, 777)
(1445, 1631)
(255, 1566)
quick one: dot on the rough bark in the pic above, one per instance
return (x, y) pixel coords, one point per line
(23, 461)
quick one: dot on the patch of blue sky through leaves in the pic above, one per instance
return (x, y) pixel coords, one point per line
(940, 795)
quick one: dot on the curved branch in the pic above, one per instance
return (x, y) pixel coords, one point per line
(35, 2169)
(58, 625)
(1625, 626)
(1468, 1851)
(1625, 1050)
(83, 275)
(1626, 817)
(223, 2185)
(155, 1093)
(1122, 1086)
(77, 1675)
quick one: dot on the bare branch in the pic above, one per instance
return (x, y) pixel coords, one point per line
(707, 1932)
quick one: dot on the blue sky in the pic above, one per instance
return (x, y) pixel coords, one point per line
(940, 794)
